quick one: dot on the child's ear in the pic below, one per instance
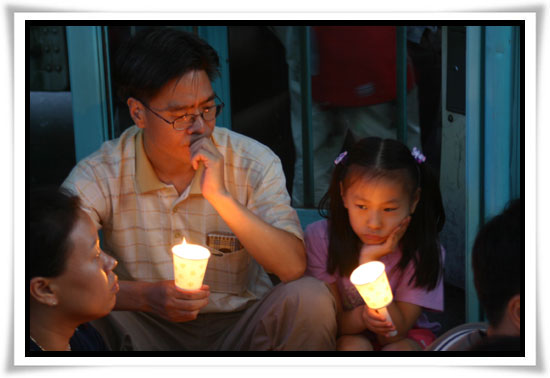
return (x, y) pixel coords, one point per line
(41, 291)
(136, 110)
(416, 199)
(514, 309)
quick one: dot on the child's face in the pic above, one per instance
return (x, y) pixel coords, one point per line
(376, 207)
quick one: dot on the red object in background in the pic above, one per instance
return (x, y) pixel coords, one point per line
(357, 65)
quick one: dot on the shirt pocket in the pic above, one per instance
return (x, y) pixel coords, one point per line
(228, 272)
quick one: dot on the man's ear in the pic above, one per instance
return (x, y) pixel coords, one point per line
(136, 112)
(514, 311)
(42, 292)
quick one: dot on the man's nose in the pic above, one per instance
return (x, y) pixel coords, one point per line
(198, 125)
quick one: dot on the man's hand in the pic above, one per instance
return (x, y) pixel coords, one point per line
(172, 303)
(212, 182)
(376, 251)
(259, 237)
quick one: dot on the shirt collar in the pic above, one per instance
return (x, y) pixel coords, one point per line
(146, 178)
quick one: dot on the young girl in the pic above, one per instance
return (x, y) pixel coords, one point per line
(383, 204)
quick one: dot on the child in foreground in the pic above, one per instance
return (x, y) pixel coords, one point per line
(383, 204)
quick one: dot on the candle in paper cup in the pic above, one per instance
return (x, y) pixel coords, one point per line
(190, 262)
(371, 281)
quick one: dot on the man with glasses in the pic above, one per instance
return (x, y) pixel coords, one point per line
(174, 175)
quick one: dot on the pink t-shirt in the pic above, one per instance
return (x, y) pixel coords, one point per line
(316, 239)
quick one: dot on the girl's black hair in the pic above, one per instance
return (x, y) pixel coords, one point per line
(51, 216)
(154, 56)
(374, 158)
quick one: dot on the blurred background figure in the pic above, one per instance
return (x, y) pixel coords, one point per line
(424, 49)
(70, 279)
(353, 88)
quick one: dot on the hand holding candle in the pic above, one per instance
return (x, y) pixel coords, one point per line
(372, 283)
(190, 262)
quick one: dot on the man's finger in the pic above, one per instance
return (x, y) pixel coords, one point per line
(203, 292)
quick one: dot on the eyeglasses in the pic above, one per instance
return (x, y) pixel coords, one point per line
(187, 120)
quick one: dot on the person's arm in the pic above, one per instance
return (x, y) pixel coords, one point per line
(278, 251)
(409, 300)
(404, 316)
(349, 322)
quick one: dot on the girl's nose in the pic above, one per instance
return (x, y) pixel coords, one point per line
(374, 220)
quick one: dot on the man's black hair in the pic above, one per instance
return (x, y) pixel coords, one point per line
(152, 57)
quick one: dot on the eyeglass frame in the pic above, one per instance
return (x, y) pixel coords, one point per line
(218, 107)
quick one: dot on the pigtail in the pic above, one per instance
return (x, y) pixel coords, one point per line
(344, 245)
(421, 241)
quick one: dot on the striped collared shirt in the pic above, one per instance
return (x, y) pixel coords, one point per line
(142, 218)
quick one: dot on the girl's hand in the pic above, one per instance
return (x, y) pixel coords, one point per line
(376, 322)
(371, 252)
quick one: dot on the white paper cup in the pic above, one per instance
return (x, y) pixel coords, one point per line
(372, 283)
(190, 263)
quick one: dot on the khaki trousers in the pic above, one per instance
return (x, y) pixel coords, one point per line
(299, 315)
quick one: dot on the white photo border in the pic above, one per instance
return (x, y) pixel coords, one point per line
(19, 194)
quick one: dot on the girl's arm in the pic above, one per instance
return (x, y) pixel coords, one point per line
(349, 322)
(404, 316)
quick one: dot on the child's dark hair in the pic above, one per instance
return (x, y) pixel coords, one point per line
(375, 158)
(51, 216)
(155, 56)
(498, 259)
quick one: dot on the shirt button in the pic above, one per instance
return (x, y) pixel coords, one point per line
(174, 210)
(177, 235)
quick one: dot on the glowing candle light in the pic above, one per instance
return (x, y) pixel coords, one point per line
(372, 283)
(190, 262)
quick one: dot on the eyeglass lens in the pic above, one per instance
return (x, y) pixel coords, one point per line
(208, 114)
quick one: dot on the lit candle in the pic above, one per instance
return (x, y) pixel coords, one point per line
(372, 283)
(190, 262)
